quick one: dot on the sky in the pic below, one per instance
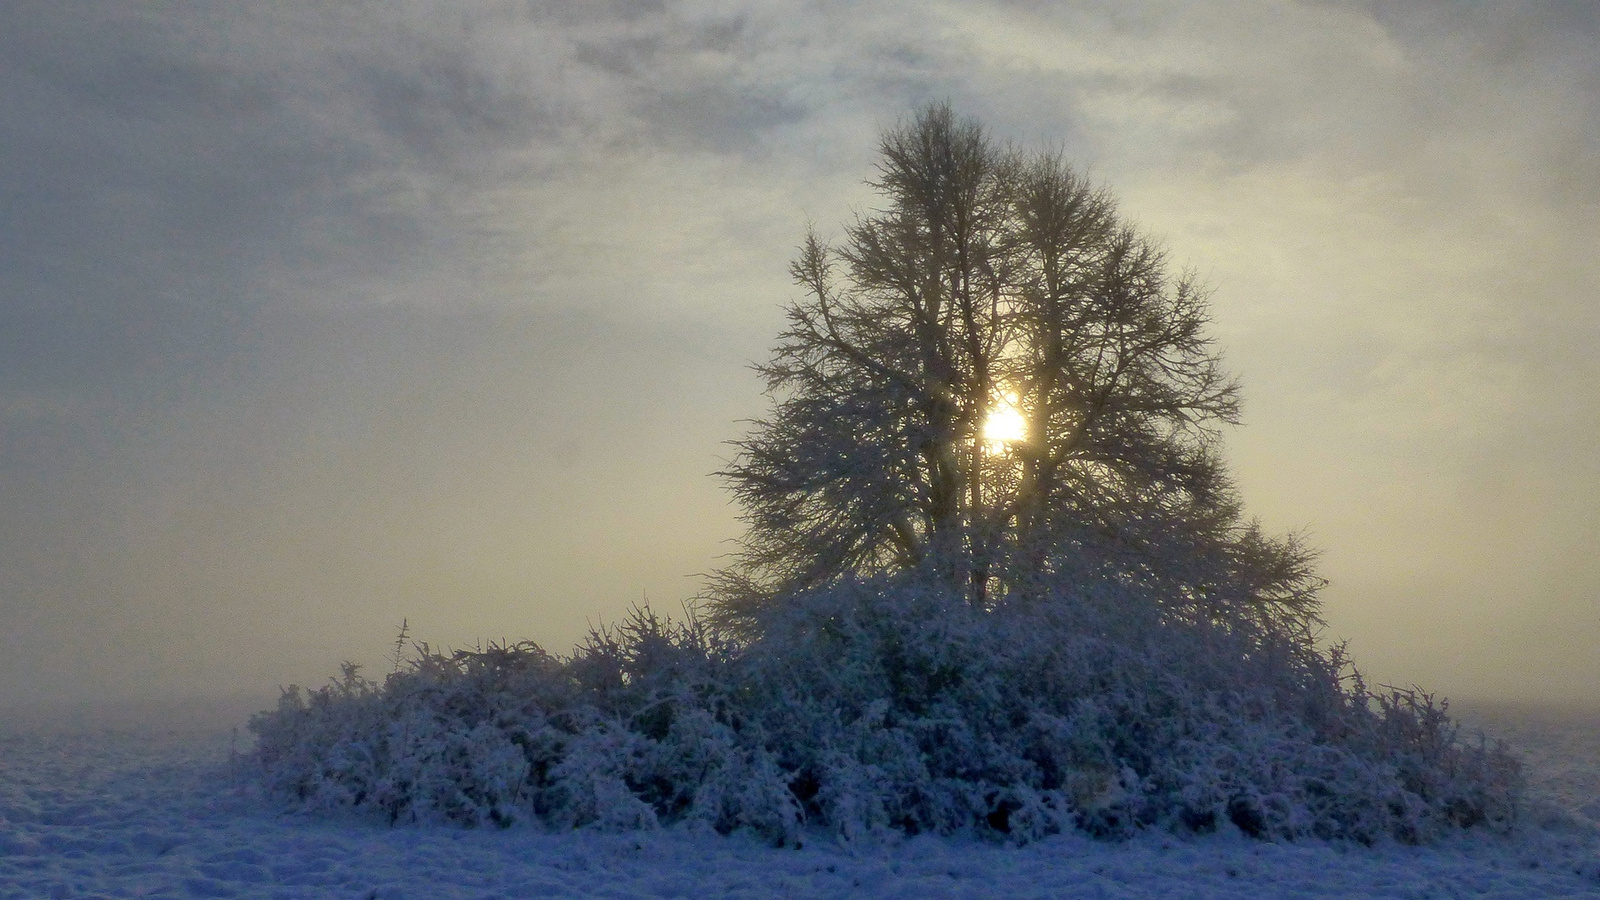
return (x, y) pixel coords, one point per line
(316, 318)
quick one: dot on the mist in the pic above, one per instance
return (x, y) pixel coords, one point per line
(316, 320)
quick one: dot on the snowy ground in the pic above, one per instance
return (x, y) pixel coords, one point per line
(148, 805)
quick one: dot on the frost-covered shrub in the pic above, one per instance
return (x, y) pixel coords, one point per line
(892, 705)
(899, 708)
(450, 738)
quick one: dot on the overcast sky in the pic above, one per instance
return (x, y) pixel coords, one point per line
(315, 317)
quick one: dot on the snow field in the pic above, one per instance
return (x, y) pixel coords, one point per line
(156, 808)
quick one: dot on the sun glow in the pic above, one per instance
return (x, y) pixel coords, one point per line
(1004, 423)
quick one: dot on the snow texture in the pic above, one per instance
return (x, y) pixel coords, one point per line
(883, 708)
(154, 805)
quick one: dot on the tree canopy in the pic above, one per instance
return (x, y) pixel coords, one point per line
(999, 287)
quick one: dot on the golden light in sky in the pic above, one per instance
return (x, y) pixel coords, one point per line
(1004, 423)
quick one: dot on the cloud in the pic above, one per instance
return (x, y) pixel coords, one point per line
(316, 316)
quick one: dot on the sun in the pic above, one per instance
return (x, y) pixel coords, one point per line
(1004, 423)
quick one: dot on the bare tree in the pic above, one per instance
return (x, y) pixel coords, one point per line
(996, 284)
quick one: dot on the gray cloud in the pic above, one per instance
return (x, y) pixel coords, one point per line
(314, 317)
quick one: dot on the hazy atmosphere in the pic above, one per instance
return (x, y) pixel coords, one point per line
(317, 317)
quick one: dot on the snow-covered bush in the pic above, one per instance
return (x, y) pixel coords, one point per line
(893, 705)
(902, 708)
